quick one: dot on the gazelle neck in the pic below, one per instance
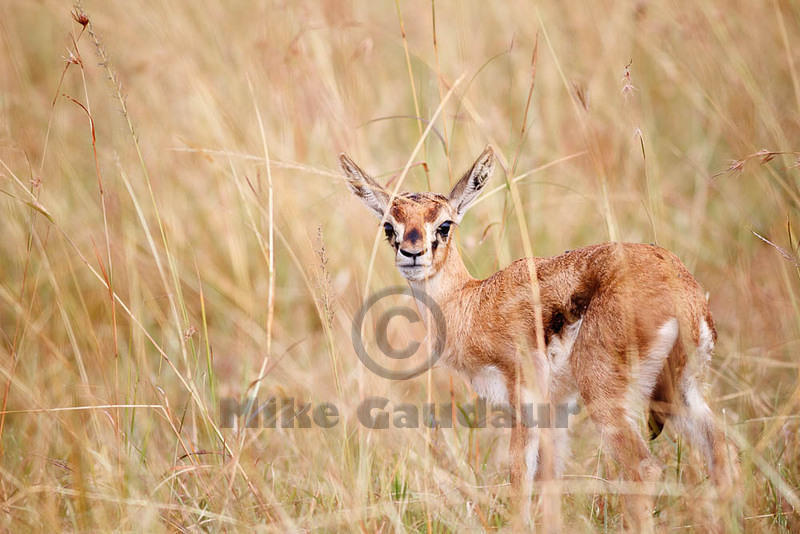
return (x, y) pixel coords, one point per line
(448, 280)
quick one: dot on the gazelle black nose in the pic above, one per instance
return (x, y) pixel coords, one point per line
(408, 254)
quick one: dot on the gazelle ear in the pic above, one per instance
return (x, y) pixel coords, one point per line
(467, 190)
(368, 190)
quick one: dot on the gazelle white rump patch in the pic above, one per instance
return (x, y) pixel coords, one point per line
(645, 371)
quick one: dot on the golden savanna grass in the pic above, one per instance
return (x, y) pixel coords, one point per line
(174, 231)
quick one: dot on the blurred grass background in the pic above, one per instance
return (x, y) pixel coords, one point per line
(669, 150)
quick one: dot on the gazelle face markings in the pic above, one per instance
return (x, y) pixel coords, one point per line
(418, 227)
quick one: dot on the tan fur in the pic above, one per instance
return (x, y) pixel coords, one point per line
(622, 293)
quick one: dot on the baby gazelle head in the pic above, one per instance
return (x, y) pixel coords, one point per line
(419, 226)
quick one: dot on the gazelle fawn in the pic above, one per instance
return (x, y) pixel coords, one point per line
(625, 327)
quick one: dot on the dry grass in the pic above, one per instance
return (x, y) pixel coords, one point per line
(146, 220)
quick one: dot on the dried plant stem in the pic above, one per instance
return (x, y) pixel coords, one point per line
(189, 386)
(117, 86)
(271, 241)
(413, 84)
(440, 85)
(209, 366)
(17, 328)
(541, 375)
(379, 232)
(107, 273)
(590, 138)
(789, 53)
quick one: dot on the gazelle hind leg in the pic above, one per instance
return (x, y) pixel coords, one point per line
(605, 391)
(693, 418)
(695, 422)
(624, 443)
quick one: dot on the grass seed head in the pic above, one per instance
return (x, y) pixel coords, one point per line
(80, 17)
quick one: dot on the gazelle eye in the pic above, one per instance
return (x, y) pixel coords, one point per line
(389, 230)
(444, 229)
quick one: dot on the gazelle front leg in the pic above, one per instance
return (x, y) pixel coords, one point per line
(523, 455)
(504, 387)
(528, 460)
